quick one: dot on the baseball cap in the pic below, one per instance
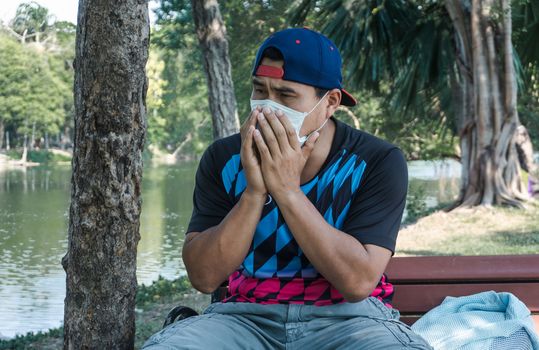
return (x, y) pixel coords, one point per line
(309, 58)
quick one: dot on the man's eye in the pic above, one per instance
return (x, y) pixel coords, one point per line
(286, 95)
(259, 91)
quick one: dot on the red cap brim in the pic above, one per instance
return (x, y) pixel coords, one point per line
(270, 71)
(347, 99)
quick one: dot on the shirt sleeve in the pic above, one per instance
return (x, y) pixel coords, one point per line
(211, 202)
(376, 211)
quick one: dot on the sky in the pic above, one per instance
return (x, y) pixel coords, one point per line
(63, 10)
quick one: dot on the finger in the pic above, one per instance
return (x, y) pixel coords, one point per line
(267, 131)
(290, 132)
(248, 142)
(263, 150)
(309, 144)
(274, 120)
(251, 120)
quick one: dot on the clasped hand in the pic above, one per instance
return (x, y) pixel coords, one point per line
(277, 168)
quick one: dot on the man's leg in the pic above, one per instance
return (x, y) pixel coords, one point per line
(224, 326)
(365, 325)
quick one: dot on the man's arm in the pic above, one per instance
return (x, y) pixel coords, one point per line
(212, 255)
(352, 268)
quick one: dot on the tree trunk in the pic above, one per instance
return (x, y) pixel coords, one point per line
(487, 95)
(211, 33)
(1, 134)
(24, 157)
(33, 138)
(110, 124)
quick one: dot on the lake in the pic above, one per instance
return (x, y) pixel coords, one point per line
(34, 204)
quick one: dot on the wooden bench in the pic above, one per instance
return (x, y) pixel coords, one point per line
(421, 283)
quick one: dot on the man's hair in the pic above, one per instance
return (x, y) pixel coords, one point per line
(276, 55)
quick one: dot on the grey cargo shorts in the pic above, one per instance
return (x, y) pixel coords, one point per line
(367, 324)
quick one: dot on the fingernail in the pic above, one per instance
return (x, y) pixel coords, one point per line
(279, 113)
(257, 133)
(260, 116)
(267, 110)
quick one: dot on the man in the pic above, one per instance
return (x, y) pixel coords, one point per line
(300, 212)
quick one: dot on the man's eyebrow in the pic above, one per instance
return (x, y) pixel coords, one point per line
(259, 82)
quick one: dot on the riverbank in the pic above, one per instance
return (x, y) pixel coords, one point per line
(14, 158)
(153, 304)
(476, 231)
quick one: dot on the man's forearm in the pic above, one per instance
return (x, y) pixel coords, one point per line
(212, 255)
(339, 257)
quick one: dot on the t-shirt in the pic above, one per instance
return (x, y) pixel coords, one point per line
(360, 190)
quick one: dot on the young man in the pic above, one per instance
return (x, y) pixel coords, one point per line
(300, 212)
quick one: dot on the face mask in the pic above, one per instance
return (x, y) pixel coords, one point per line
(296, 117)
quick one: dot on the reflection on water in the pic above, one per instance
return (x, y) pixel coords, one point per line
(34, 205)
(438, 180)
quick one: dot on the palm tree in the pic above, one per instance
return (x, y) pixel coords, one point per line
(452, 59)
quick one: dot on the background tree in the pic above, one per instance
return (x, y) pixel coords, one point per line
(110, 122)
(211, 33)
(31, 22)
(440, 67)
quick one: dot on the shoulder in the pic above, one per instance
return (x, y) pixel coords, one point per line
(221, 151)
(372, 149)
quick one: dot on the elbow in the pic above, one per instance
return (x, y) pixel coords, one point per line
(203, 288)
(359, 291)
(355, 297)
(202, 285)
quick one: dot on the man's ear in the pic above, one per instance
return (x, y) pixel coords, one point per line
(334, 100)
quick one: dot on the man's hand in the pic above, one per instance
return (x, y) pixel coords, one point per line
(282, 157)
(249, 160)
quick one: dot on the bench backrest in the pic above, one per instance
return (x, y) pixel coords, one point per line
(422, 283)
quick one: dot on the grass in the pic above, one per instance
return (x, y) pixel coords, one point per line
(476, 231)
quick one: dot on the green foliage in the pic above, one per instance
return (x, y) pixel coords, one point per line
(21, 342)
(409, 46)
(184, 109)
(160, 289)
(416, 206)
(31, 20)
(36, 78)
(39, 156)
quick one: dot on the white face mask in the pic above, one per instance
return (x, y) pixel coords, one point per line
(296, 117)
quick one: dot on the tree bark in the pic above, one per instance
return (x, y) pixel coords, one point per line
(110, 124)
(211, 33)
(487, 92)
(1, 134)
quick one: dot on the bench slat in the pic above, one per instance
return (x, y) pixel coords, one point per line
(438, 269)
(417, 299)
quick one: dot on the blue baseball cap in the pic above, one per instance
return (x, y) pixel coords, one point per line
(309, 58)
